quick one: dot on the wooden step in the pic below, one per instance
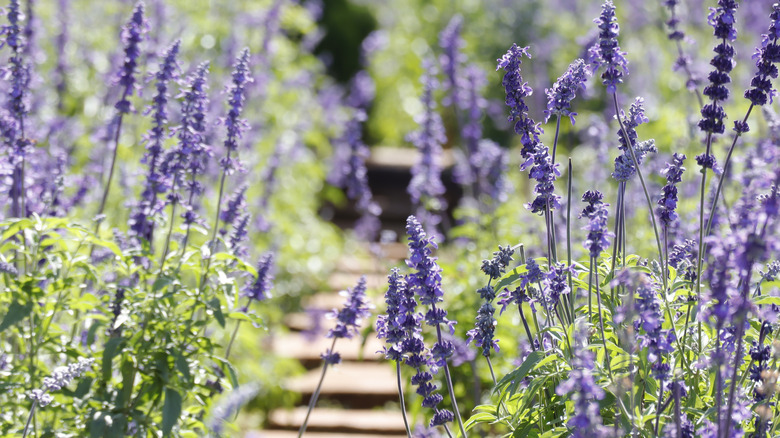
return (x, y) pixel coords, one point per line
(308, 351)
(363, 421)
(294, 434)
(353, 385)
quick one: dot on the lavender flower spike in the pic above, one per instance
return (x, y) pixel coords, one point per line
(598, 232)
(132, 35)
(355, 309)
(606, 52)
(668, 202)
(426, 188)
(516, 92)
(564, 90)
(229, 405)
(60, 378)
(260, 289)
(234, 124)
(766, 57)
(722, 19)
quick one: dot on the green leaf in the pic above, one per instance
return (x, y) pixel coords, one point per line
(171, 410)
(183, 367)
(519, 373)
(216, 306)
(16, 313)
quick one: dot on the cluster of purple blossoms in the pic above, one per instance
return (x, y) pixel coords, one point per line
(234, 124)
(766, 57)
(60, 378)
(188, 157)
(585, 392)
(533, 275)
(675, 34)
(142, 217)
(132, 35)
(722, 19)
(235, 209)
(565, 89)
(535, 154)
(650, 319)
(355, 309)
(426, 188)
(400, 320)
(668, 203)
(681, 258)
(260, 288)
(597, 214)
(624, 164)
(485, 324)
(356, 179)
(452, 59)
(606, 51)
(760, 355)
(425, 283)
(556, 284)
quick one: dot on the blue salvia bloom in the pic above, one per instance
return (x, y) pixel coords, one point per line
(598, 231)
(234, 209)
(485, 325)
(565, 89)
(545, 173)
(425, 282)
(390, 326)
(517, 90)
(142, 222)
(648, 325)
(190, 155)
(133, 34)
(771, 274)
(234, 124)
(624, 164)
(681, 257)
(522, 293)
(355, 179)
(260, 288)
(556, 284)
(355, 308)
(677, 35)
(8, 268)
(426, 187)
(60, 378)
(766, 57)
(227, 407)
(593, 198)
(585, 392)
(722, 19)
(606, 51)
(667, 210)
(492, 161)
(452, 58)
(467, 170)
(239, 235)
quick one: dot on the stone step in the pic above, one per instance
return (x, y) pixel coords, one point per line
(294, 434)
(352, 384)
(356, 421)
(308, 350)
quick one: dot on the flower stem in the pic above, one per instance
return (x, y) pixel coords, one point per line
(449, 384)
(401, 396)
(29, 418)
(601, 318)
(316, 393)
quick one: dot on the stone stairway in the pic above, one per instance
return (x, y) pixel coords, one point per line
(359, 397)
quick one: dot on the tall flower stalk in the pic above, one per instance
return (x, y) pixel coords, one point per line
(348, 321)
(132, 35)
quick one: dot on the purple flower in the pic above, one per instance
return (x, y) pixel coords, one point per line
(606, 51)
(234, 124)
(766, 57)
(390, 326)
(585, 391)
(132, 35)
(349, 317)
(239, 234)
(142, 217)
(565, 89)
(722, 19)
(355, 178)
(452, 58)
(260, 288)
(624, 164)
(234, 209)
(556, 284)
(516, 92)
(188, 157)
(426, 188)
(598, 233)
(668, 203)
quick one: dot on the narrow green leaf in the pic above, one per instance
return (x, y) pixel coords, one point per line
(16, 313)
(171, 410)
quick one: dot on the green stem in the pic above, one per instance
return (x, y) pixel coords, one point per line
(401, 396)
(316, 393)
